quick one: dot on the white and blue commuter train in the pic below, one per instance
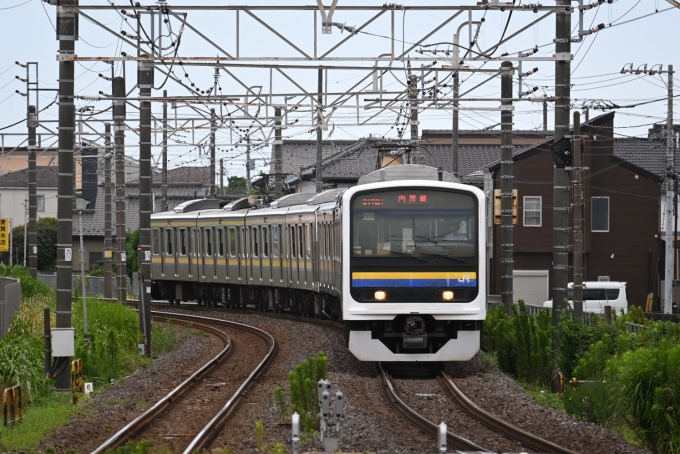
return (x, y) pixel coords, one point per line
(401, 262)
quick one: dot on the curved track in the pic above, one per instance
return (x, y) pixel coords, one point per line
(494, 423)
(416, 419)
(205, 436)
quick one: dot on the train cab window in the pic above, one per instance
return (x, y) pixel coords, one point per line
(256, 241)
(265, 241)
(367, 238)
(293, 242)
(208, 242)
(232, 242)
(168, 241)
(220, 242)
(183, 241)
(156, 242)
(275, 241)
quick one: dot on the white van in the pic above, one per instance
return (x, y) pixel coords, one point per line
(597, 295)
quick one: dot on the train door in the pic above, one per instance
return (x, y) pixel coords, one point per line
(276, 256)
(243, 249)
(220, 263)
(169, 255)
(266, 275)
(301, 255)
(196, 251)
(233, 265)
(184, 259)
(294, 276)
(255, 255)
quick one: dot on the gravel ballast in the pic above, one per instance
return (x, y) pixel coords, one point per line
(369, 423)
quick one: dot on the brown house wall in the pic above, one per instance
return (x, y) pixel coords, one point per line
(634, 213)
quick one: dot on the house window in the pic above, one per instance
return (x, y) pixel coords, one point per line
(532, 211)
(600, 214)
(41, 203)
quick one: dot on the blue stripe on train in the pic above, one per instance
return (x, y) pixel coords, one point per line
(414, 283)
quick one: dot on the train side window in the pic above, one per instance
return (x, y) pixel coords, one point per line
(168, 241)
(156, 242)
(308, 239)
(183, 241)
(256, 246)
(220, 242)
(275, 241)
(232, 242)
(301, 243)
(208, 241)
(293, 242)
(265, 241)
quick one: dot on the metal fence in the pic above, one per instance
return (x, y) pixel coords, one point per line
(10, 299)
(93, 285)
(531, 310)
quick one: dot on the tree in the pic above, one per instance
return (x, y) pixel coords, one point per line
(132, 263)
(47, 245)
(236, 186)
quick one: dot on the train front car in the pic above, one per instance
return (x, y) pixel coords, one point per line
(414, 272)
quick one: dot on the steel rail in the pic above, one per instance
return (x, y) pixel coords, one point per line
(496, 424)
(416, 419)
(141, 421)
(211, 429)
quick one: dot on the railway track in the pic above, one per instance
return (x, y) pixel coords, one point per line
(202, 439)
(416, 419)
(525, 438)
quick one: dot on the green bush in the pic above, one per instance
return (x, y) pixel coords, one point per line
(30, 286)
(302, 387)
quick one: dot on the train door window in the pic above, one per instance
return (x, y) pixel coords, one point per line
(256, 241)
(301, 243)
(183, 241)
(168, 241)
(208, 242)
(275, 241)
(293, 242)
(220, 242)
(308, 239)
(197, 242)
(156, 242)
(232, 242)
(265, 241)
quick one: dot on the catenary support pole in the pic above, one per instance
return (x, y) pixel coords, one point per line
(145, 83)
(560, 262)
(545, 115)
(670, 175)
(213, 127)
(164, 181)
(278, 153)
(32, 194)
(66, 21)
(118, 91)
(221, 176)
(578, 220)
(248, 183)
(108, 246)
(413, 97)
(507, 230)
(319, 135)
(454, 125)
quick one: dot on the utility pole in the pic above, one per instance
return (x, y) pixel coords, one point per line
(248, 186)
(319, 145)
(118, 91)
(578, 220)
(108, 247)
(25, 229)
(507, 245)
(454, 126)
(213, 126)
(164, 182)
(278, 153)
(66, 25)
(670, 176)
(560, 274)
(545, 115)
(413, 96)
(32, 194)
(145, 83)
(221, 176)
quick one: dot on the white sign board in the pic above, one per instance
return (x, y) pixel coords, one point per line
(122, 256)
(147, 256)
(88, 388)
(68, 254)
(63, 342)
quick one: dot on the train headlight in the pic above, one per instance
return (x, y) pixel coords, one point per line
(380, 295)
(447, 295)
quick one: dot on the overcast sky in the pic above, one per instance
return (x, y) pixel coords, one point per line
(629, 37)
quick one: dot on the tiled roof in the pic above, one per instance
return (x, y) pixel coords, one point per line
(46, 177)
(488, 132)
(648, 154)
(193, 175)
(93, 220)
(299, 154)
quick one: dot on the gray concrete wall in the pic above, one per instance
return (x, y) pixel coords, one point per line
(93, 285)
(10, 300)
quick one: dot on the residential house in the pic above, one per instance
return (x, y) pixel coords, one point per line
(14, 194)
